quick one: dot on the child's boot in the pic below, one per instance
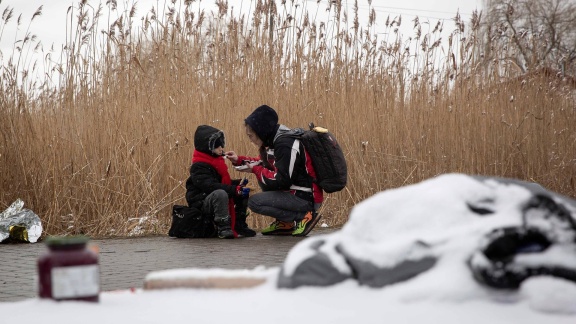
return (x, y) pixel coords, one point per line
(241, 226)
(224, 228)
(242, 213)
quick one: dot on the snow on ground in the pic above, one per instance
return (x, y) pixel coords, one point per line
(343, 303)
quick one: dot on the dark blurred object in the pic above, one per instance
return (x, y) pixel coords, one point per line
(69, 270)
(510, 255)
(18, 233)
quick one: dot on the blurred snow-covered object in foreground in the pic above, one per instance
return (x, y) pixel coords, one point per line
(452, 237)
(20, 224)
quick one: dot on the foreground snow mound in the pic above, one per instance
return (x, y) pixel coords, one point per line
(453, 237)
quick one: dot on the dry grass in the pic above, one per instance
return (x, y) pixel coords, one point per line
(102, 144)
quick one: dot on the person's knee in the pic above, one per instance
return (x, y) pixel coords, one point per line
(218, 195)
(255, 203)
(252, 204)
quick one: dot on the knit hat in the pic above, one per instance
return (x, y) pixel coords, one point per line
(263, 121)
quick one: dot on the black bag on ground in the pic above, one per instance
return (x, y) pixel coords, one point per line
(188, 222)
(327, 157)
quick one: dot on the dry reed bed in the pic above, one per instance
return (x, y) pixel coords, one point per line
(106, 151)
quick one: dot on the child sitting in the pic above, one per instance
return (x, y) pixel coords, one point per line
(210, 189)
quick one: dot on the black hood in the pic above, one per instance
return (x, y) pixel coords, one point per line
(264, 122)
(206, 137)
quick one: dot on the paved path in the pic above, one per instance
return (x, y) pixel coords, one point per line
(124, 263)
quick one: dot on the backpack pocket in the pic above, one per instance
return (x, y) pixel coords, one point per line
(188, 222)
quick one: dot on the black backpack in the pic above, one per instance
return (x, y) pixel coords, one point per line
(188, 222)
(327, 157)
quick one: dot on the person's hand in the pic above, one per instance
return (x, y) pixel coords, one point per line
(251, 166)
(247, 166)
(242, 191)
(244, 168)
(232, 156)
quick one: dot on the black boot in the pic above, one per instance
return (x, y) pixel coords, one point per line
(243, 230)
(224, 229)
(241, 214)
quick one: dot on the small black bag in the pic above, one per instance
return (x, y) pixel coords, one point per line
(188, 222)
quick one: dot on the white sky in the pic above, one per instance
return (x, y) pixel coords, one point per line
(54, 24)
(432, 211)
(51, 27)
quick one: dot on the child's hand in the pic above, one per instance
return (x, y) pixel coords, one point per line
(242, 192)
(232, 156)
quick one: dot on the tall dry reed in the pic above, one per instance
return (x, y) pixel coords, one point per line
(102, 145)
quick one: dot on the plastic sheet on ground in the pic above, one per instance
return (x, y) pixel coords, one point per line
(19, 224)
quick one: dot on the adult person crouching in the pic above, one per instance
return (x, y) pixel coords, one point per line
(285, 174)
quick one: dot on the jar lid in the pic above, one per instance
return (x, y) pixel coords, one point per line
(66, 240)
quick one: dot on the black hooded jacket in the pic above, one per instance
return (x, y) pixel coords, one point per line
(204, 179)
(286, 166)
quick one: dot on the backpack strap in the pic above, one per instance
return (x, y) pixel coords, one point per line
(293, 187)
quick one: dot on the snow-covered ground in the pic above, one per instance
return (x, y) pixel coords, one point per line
(435, 211)
(343, 303)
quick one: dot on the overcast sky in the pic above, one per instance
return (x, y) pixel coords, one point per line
(51, 26)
